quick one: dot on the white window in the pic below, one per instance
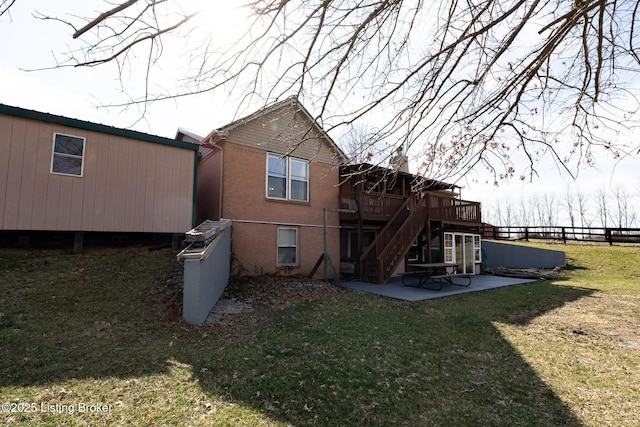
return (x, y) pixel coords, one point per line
(276, 176)
(299, 180)
(287, 178)
(448, 248)
(287, 246)
(68, 155)
(477, 249)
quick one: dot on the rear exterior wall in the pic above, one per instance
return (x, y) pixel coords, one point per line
(257, 218)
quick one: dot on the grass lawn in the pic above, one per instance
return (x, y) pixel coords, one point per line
(88, 340)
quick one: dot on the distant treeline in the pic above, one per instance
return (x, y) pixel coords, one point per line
(586, 234)
(606, 208)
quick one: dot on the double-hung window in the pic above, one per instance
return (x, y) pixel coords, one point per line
(68, 155)
(287, 246)
(287, 178)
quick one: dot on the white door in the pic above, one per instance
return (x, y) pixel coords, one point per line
(462, 249)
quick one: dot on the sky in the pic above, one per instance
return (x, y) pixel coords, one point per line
(29, 44)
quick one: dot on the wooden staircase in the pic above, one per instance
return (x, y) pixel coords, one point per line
(393, 242)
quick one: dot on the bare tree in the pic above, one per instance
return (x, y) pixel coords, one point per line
(524, 217)
(508, 217)
(463, 85)
(537, 210)
(497, 214)
(569, 201)
(602, 201)
(504, 214)
(583, 201)
(489, 215)
(550, 208)
(360, 146)
(625, 215)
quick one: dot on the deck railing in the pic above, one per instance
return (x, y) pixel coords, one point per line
(374, 206)
(447, 209)
(380, 206)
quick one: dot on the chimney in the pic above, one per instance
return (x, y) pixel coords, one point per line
(399, 161)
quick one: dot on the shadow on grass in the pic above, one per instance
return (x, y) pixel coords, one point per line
(67, 316)
(571, 267)
(355, 360)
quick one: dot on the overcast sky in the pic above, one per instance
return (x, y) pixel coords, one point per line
(30, 44)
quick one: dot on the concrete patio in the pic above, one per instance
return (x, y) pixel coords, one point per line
(395, 289)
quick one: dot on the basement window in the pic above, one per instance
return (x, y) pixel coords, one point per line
(68, 155)
(287, 246)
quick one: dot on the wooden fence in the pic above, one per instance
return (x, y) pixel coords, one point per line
(585, 234)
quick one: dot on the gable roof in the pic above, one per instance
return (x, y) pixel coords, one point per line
(221, 133)
(93, 127)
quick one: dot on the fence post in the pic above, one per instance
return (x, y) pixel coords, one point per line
(564, 236)
(526, 234)
(607, 234)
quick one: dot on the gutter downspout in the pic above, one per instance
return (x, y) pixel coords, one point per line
(211, 141)
(194, 203)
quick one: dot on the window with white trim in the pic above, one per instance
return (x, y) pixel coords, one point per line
(463, 249)
(68, 155)
(287, 246)
(477, 249)
(448, 248)
(287, 178)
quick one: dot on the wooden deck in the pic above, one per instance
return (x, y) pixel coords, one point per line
(382, 207)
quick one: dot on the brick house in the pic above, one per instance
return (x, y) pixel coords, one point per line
(277, 175)
(272, 173)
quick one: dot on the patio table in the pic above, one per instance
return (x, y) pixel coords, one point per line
(437, 273)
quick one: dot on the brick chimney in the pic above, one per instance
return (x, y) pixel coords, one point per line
(399, 161)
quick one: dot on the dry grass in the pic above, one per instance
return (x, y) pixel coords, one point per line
(588, 350)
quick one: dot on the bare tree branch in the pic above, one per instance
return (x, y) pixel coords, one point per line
(5, 5)
(494, 85)
(102, 17)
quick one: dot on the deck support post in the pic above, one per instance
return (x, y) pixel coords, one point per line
(78, 242)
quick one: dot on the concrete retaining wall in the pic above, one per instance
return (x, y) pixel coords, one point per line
(500, 254)
(205, 278)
